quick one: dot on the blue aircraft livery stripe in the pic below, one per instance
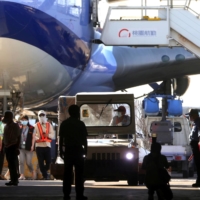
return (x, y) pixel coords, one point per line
(37, 28)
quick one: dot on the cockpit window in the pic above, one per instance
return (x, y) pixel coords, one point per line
(72, 8)
(105, 114)
(74, 11)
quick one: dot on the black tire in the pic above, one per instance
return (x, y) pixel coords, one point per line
(73, 179)
(191, 173)
(133, 180)
(185, 174)
(141, 179)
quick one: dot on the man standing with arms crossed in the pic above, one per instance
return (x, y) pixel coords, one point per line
(73, 135)
(44, 134)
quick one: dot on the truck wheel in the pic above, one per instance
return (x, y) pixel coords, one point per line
(133, 180)
(73, 179)
(141, 179)
(185, 174)
(191, 173)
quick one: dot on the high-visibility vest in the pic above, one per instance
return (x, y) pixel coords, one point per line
(42, 138)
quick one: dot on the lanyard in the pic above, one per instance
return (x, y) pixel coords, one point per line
(24, 131)
(1, 129)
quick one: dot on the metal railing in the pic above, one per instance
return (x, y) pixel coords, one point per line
(170, 3)
(187, 7)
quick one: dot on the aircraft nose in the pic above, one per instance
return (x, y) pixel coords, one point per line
(37, 28)
(39, 54)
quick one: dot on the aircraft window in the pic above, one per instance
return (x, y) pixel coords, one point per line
(71, 7)
(74, 11)
(61, 2)
(177, 127)
(165, 59)
(74, 2)
(69, 2)
(105, 114)
(180, 57)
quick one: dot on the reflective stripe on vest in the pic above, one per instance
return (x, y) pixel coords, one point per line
(42, 138)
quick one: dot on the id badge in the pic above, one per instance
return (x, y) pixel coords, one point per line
(24, 142)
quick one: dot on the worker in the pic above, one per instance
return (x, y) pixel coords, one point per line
(27, 147)
(11, 141)
(157, 178)
(44, 133)
(194, 138)
(1, 148)
(121, 119)
(73, 134)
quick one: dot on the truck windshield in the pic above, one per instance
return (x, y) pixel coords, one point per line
(106, 114)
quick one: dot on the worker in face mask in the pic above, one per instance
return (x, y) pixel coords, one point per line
(26, 147)
(44, 133)
(121, 119)
(42, 118)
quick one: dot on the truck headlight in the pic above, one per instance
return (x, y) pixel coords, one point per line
(129, 156)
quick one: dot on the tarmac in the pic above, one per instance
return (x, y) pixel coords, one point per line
(52, 190)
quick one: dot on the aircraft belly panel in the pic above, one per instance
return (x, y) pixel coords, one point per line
(138, 66)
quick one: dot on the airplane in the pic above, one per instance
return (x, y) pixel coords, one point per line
(46, 50)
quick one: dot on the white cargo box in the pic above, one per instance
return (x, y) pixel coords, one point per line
(176, 153)
(120, 30)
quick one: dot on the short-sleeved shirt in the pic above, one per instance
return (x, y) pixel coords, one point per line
(124, 122)
(73, 131)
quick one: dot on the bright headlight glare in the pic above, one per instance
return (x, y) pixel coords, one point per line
(129, 156)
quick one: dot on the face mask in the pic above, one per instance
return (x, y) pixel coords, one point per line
(43, 119)
(119, 114)
(24, 123)
(0, 122)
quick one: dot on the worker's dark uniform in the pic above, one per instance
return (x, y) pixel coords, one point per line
(152, 163)
(74, 135)
(194, 140)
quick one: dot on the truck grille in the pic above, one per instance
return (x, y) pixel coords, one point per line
(106, 156)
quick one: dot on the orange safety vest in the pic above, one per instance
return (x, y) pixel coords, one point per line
(42, 138)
